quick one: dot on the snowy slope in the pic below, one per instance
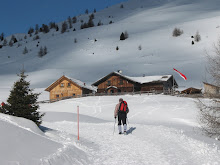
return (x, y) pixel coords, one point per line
(149, 23)
(161, 130)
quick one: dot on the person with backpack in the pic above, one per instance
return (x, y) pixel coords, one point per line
(121, 110)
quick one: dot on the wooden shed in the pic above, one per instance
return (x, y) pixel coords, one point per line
(192, 91)
(115, 82)
(211, 90)
(66, 87)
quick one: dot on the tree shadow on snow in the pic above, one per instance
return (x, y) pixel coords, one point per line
(45, 129)
(131, 129)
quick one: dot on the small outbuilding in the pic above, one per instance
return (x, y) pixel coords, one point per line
(66, 87)
(211, 90)
(191, 91)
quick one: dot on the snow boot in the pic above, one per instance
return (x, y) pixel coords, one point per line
(119, 129)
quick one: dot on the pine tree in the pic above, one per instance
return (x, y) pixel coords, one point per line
(74, 19)
(25, 51)
(22, 102)
(31, 30)
(45, 51)
(87, 11)
(70, 22)
(41, 52)
(5, 42)
(94, 11)
(36, 27)
(2, 37)
(90, 23)
(64, 27)
(122, 37)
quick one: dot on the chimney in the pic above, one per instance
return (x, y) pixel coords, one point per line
(119, 71)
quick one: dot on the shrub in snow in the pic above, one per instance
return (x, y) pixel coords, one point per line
(117, 48)
(64, 27)
(197, 37)
(1, 46)
(110, 22)
(25, 51)
(36, 37)
(75, 40)
(99, 23)
(57, 28)
(192, 42)
(74, 29)
(139, 47)
(22, 102)
(126, 35)
(25, 37)
(177, 32)
(122, 6)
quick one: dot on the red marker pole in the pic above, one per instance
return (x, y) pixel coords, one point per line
(78, 120)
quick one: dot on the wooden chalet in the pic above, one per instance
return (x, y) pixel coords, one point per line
(115, 82)
(66, 87)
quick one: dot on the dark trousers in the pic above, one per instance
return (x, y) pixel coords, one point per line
(122, 118)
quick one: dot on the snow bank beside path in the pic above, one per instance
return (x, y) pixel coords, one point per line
(23, 143)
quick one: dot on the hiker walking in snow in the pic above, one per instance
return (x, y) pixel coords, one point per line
(121, 110)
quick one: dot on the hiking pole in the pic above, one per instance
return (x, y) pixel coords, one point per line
(128, 122)
(114, 126)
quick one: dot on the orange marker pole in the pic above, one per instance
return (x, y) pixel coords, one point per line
(78, 120)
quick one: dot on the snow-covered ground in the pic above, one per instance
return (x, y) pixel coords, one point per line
(161, 130)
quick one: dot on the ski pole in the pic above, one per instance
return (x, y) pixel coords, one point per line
(114, 126)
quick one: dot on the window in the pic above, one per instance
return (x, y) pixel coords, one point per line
(121, 82)
(74, 94)
(69, 85)
(57, 96)
(109, 82)
(62, 85)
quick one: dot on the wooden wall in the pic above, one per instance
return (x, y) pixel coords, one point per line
(65, 91)
(152, 86)
(116, 81)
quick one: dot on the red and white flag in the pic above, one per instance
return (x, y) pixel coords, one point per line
(182, 75)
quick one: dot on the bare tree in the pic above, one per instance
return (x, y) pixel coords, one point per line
(214, 63)
(197, 37)
(210, 118)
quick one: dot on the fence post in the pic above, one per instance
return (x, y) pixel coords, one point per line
(78, 120)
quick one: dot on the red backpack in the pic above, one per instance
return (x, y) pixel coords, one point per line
(123, 106)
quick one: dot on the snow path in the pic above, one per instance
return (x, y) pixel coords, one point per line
(169, 139)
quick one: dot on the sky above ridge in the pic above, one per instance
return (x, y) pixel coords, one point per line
(18, 16)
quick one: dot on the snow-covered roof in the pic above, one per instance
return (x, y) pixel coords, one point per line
(140, 80)
(77, 82)
(82, 84)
